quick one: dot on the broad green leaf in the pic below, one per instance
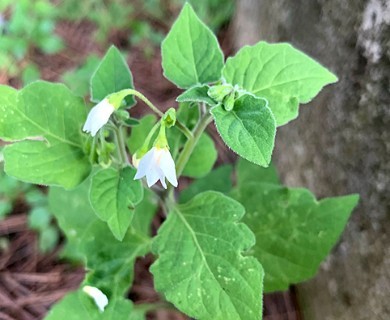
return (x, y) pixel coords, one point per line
(294, 232)
(39, 218)
(280, 73)
(197, 94)
(74, 215)
(48, 239)
(217, 180)
(79, 306)
(190, 53)
(78, 79)
(114, 195)
(202, 158)
(248, 172)
(144, 213)
(110, 262)
(140, 132)
(112, 75)
(249, 129)
(50, 118)
(200, 267)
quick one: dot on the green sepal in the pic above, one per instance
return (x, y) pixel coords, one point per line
(169, 117)
(219, 92)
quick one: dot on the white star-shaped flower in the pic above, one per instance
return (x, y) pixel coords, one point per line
(157, 164)
(98, 296)
(98, 117)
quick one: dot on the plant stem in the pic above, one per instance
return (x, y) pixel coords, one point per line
(144, 99)
(121, 146)
(187, 132)
(189, 146)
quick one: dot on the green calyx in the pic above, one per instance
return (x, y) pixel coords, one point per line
(116, 99)
(169, 118)
(161, 140)
(145, 147)
(219, 92)
(228, 101)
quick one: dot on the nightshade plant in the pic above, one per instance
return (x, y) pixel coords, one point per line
(221, 246)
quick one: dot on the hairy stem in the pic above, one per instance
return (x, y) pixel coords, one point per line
(189, 147)
(187, 132)
(121, 146)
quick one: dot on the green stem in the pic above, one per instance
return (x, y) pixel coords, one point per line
(139, 95)
(122, 145)
(191, 143)
(93, 149)
(187, 132)
(189, 147)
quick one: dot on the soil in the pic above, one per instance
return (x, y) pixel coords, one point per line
(31, 282)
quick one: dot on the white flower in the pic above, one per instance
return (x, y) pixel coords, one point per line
(98, 117)
(157, 164)
(99, 297)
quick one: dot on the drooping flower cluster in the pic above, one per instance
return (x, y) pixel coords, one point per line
(155, 164)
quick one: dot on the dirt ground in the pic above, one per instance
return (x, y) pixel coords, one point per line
(30, 282)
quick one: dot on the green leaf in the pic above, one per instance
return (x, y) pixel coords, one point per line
(200, 267)
(114, 195)
(110, 262)
(144, 213)
(30, 73)
(51, 117)
(197, 94)
(217, 180)
(140, 132)
(112, 75)
(280, 73)
(48, 239)
(202, 158)
(249, 129)
(39, 218)
(294, 232)
(79, 306)
(5, 208)
(190, 53)
(74, 215)
(248, 172)
(78, 79)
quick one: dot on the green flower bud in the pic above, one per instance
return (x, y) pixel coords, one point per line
(218, 93)
(169, 118)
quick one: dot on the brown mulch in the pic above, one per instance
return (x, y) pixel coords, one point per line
(31, 282)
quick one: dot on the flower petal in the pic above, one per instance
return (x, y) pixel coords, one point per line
(98, 296)
(162, 180)
(153, 175)
(98, 117)
(167, 165)
(145, 164)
